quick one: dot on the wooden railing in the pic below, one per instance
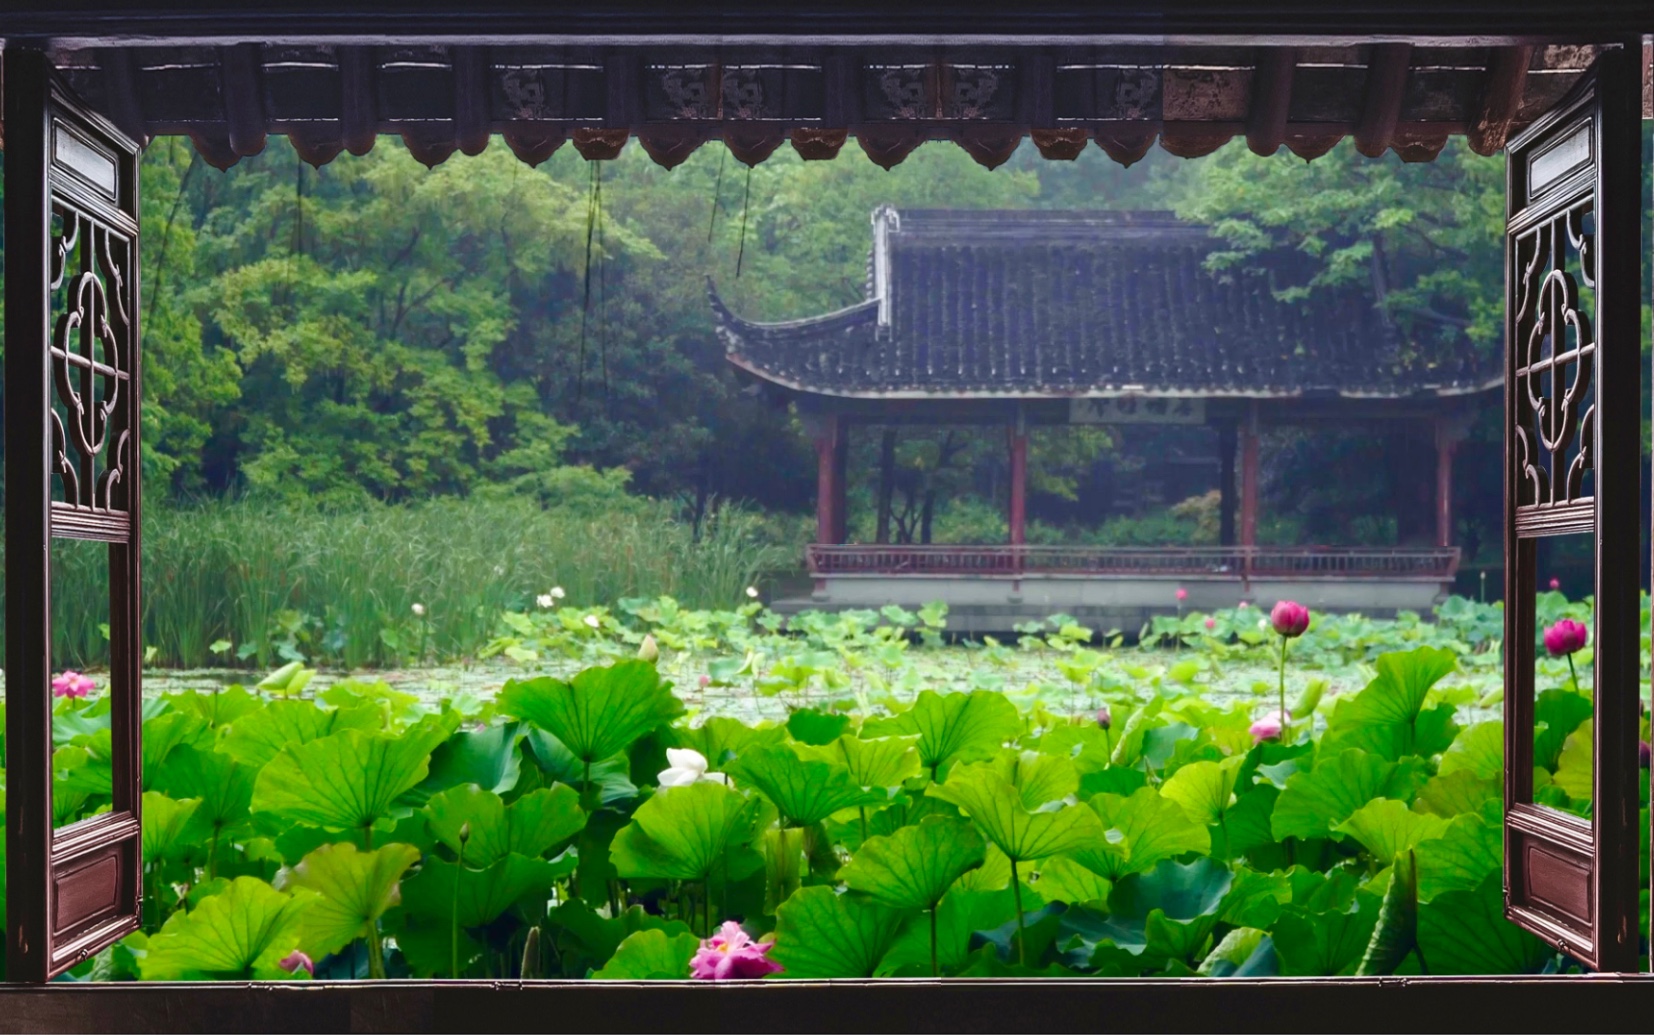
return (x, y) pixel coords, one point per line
(1215, 562)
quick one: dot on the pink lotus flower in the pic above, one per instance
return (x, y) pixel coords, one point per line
(706, 681)
(1556, 583)
(1289, 618)
(1241, 606)
(1104, 717)
(72, 684)
(1211, 623)
(1565, 637)
(295, 960)
(1182, 594)
(1268, 728)
(731, 955)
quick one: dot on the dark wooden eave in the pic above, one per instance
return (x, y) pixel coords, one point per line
(229, 95)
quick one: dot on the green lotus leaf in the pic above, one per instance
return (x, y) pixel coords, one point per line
(1039, 779)
(1140, 832)
(427, 946)
(86, 769)
(684, 833)
(820, 933)
(1556, 714)
(959, 727)
(1471, 847)
(167, 731)
(1576, 767)
(1325, 943)
(997, 808)
(164, 822)
(721, 738)
(1387, 828)
(1479, 750)
(240, 932)
(257, 737)
(218, 708)
(815, 727)
(353, 891)
(488, 758)
(804, 790)
(993, 875)
(1243, 952)
(1206, 790)
(223, 785)
(351, 779)
(1128, 748)
(600, 713)
(1314, 802)
(589, 939)
(1388, 718)
(1169, 911)
(1246, 825)
(1459, 792)
(880, 762)
(1255, 899)
(612, 777)
(962, 913)
(651, 954)
(1465, 932)
(480, 895)
(528, 826)
(914, 867)
(1395, 934)
(1061, 879)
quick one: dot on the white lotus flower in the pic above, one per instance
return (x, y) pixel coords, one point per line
(752, 591)
(544, 600)
(687, 766)
(650, 650)
(419, 610)
(1263, 623)
(557, 593)
(592, 621)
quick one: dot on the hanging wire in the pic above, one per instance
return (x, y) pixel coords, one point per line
(746, 203)
(717, 194)
(594, 201)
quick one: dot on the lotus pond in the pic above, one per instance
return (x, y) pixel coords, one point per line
(862, 796)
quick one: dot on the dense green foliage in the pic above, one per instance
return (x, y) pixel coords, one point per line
(879, 828)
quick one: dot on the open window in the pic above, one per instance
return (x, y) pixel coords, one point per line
(1572, 455)
(72, 465)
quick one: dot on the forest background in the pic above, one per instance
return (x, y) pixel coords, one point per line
(373, 333)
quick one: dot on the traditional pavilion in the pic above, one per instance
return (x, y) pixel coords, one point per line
(1025, 319)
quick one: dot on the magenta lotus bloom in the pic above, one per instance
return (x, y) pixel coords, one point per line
(72, 684)
(1289, 618)
(1182, 594)
(1104, 717)
(731, 955)
(1268, 728)
(296, 960)
(1556, 583)
(1211, 623)
(1565, 637)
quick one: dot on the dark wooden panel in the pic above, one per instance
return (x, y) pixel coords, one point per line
(1559, 881)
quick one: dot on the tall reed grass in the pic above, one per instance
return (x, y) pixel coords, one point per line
(276, 582)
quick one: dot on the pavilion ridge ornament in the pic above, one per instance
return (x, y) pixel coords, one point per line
(91, 351)
(1556, 415)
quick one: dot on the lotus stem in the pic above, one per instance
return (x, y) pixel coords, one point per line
(935, 971)
(1286, 720)
(1022, 932)
(1573, 674)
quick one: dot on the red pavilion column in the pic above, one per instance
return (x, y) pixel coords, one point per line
(1249, 478)
(1446, 442)
(1019, 486)
(829, 433)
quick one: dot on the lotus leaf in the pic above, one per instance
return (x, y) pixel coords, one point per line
(600, 713)
(260, 735)
(914, 867)
(1388, 718)
(959, 727)
(1465, 932)
(651, 954)
(1388, 828)
(685, 833)
(240, 932)
(350, 779)
(820, 933)
(353, 891)
(1206, 790)
(487, 758)
(1479, 750)
(998, 809)
(1150, 829)
(804, 790)
(880, 762)
(528, 826)
(1314, 802)
(164, 822)
(480, 895)
(1471, 847)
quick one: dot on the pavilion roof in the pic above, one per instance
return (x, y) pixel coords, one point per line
(986, 304)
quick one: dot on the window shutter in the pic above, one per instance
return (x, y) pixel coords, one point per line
(72, 468)
(1572, 455)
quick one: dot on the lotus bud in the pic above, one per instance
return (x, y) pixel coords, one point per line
(1211, 623)
(1104, 717)
(464, 832)
(649, 651)
(706, 680)
(294, 961)
(1289, 618)
(752, 592)
(1556, 584)
(592, 621)
(1182, 594)
(1565, 637)
(419, 610)
(1268, 728)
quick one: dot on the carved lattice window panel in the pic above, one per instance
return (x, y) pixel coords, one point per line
(1572, 454)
